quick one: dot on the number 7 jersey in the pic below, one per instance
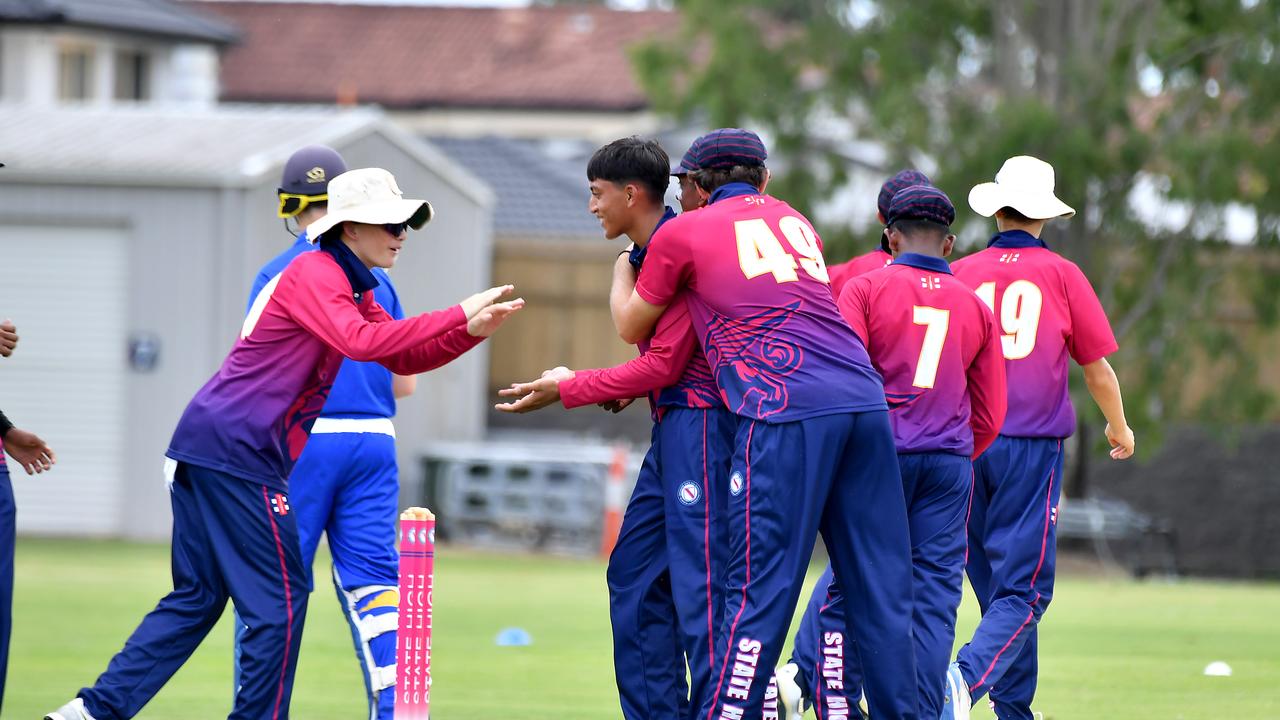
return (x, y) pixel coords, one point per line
(938, 350)
(762, 307)
(1046, 310)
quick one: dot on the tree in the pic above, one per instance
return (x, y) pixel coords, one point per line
(1176, 98)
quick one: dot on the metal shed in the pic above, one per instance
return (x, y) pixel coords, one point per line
(128, 242)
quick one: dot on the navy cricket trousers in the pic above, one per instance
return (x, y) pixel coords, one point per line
(937, 487)
(8, 515)
(838, 475)
(1012, 549)
(673, 523)
(231, 539)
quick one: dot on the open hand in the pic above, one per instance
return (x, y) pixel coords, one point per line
(8, 338)
(481, 300)
(30, 451)
(491, 317)
(1121, 442)
(537, 394)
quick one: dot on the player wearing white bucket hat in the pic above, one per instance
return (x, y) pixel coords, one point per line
(369, 196)
(1025, 184)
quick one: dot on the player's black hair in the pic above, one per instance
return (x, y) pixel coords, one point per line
(710, 179)
(633, 159)
(920, 229)
(1014, 215)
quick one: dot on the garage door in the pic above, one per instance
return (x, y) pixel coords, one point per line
(66, 289)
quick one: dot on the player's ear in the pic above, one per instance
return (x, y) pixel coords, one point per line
(767, 176)
(894, 236)
(948, 245)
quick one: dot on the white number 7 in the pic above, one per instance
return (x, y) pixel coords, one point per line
(935, 334)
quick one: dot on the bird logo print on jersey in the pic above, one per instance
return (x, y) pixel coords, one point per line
(736, 349)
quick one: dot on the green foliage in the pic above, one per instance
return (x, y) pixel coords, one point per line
(1180, 95)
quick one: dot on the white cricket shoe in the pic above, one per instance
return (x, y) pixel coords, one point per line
(957, 701)
(790, 692)
(73, 710)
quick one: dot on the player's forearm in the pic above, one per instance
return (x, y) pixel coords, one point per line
(1103, 385)
(433, 353)
(630, 380)
(402, 386)
(624, 284)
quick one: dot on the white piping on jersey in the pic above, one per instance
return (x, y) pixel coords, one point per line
(381, 426)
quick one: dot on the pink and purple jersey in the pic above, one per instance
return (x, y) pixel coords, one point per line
(1046, 311)
(253, 417)
(751, 269)
(842, 273)
(937, 348)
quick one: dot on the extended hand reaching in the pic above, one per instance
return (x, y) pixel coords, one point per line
(491, 317)
(537, 394)
(8, 338)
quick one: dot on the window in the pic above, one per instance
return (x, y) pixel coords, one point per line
(75, 73)
(133, 75)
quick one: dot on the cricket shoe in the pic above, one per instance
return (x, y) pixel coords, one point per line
(957, 702)
(73, 710)
(789, 692)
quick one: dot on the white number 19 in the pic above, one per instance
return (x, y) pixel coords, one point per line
(1019, 315)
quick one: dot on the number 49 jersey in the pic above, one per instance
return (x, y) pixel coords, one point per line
(938, 350)
(1046, 310)
(761, 305)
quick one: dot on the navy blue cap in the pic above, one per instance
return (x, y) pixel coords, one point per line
(309, 170)
(921, 202)
(687, 164)
(725, 148)
(904, 179)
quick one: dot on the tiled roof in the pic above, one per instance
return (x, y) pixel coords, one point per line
(557, 57)
(541, 190)
(224, 146)
(149, 17)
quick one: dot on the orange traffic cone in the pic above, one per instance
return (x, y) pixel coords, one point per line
(613, 501)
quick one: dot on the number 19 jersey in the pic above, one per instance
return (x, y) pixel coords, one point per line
(759, 296)
(1046, 310)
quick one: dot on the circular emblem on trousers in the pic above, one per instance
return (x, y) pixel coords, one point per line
(736, 483)
(689, 493)
(431, 536)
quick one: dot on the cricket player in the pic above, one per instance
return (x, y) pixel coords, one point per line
(34, 456)
(1047, 312)
(813, 450)
(346, 483)
(937, 348)
(841, 273)
(672, 523)
(234, 531)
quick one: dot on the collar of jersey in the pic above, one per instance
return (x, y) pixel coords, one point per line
(730, 190)
(924, 262)
(638, 254)
(1016, 239)
(357, 274)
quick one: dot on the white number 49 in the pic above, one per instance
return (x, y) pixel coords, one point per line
(760, 252)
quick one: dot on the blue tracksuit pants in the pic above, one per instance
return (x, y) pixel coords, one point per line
(937, 488)
(665, 592)
(231, 539)
(8, 515)
(1012, 539)
(346, 485)
(837, 475)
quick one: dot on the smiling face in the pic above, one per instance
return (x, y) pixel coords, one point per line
(375, 245)
(612, 204)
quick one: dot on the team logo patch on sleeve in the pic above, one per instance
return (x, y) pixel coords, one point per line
(689, 493)
(736, 483)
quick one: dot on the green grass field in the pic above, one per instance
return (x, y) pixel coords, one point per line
(1109, 648)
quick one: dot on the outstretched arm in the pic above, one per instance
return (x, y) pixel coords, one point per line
(636, 318)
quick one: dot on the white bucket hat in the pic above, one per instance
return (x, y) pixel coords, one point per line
(369, 195)
(1025, 184)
